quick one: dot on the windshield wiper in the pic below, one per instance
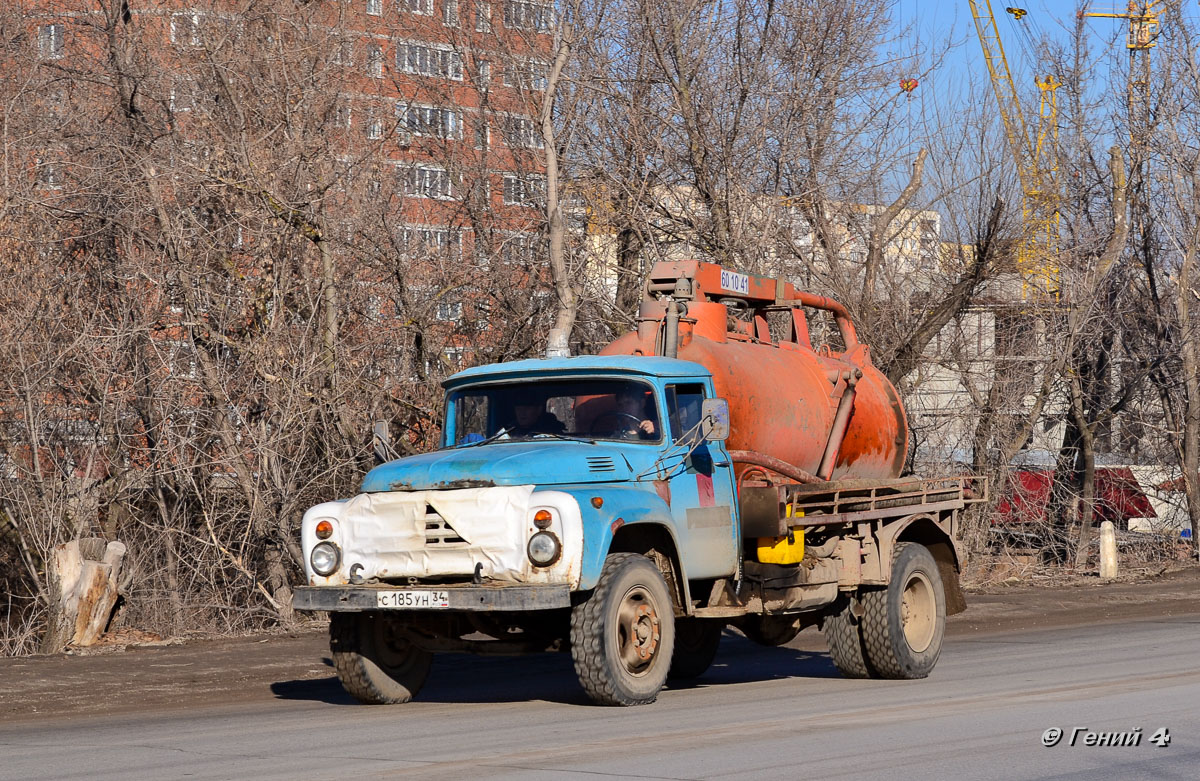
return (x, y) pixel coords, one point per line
(564, 437)
(492, 438)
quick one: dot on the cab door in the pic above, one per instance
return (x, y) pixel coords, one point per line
(700, 482)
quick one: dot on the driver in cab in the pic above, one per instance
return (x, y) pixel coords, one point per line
(630, 412)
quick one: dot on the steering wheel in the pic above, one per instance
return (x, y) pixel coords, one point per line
(597, 428)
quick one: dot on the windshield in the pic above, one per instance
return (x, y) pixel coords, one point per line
(548, 409)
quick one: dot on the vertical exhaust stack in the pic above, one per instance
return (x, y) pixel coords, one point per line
(671, 332)
(676, 309)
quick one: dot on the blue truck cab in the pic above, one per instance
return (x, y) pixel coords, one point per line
(547, 468)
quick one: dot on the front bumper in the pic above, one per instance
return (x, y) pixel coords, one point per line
(476, 598)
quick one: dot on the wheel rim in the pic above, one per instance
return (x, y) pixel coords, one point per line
(918, 612)
(393, 651)
(638, 630)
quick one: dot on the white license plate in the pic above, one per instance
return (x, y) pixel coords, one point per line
(411, 598)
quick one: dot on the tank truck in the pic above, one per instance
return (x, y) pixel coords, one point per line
(712, 468)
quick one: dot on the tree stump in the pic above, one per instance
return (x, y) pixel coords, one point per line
(83, 589)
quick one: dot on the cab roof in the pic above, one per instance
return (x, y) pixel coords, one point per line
(645, 365)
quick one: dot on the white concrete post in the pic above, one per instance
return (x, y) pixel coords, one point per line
(1108, 551)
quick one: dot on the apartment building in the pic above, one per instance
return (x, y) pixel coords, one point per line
(247, 166)
(418, 132)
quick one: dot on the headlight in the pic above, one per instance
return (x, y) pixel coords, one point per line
(544, 549)
(325, 558)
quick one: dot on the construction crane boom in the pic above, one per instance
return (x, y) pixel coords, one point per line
(1035, 156)
(1141, 38)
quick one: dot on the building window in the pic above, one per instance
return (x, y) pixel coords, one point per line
(521, 249)
(483, 134)
(484, 74)
(343, 115)
(526, 15)
(428, 60)
(429, 121)
(374, 60)
(8, 467)
(343, 52)
(182, 96)
(50, 41)
(420, 241)
(375, 7)
(422, 181)
(483, 17)
(181, 359)
(450, 13)
(423, 7)
(526, 74)
(373, 309)
(521, 132)
(74, 430)
(49, 174)
(185, 28)
(374, 126)
(450, 311)
(528, 190)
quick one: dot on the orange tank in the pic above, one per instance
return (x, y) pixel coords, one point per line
(829, 413)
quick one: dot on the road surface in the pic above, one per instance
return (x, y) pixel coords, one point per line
(760, 713)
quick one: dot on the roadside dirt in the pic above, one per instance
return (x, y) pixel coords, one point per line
(173, 675)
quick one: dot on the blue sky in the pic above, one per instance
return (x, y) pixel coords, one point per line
(942, 31)
(936, 22)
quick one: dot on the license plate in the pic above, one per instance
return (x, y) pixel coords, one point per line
(411, 598)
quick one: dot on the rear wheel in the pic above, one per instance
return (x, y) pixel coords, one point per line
(843, 635)
(623, 636)
(374, 661)
(903, 624)
(696, 643)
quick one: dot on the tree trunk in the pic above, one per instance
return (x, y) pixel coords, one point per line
(629, 271)
(877, 241)
(1190, 455)
(1086, 455)
(83, 586)
(558, 344)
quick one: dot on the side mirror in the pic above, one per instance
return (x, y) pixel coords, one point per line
(714, 419)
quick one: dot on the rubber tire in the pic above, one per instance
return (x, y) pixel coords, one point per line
(889, 650)
(369, 670)
(771, 631)
(595, 633)
(843, 635)
(696, 644)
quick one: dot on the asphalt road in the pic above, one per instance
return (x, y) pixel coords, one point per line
(759, 713)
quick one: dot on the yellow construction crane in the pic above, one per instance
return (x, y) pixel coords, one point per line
(1036, 157)
(1142, 37)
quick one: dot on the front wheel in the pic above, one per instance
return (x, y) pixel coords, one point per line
(374, 661)
(903, 624)
(623, 636)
